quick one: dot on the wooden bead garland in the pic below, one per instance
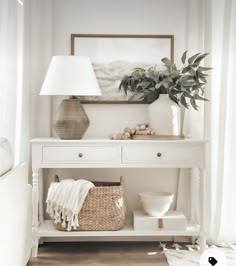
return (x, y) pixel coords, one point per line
(139, 129)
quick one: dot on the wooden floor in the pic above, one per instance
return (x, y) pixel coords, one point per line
(96, 253)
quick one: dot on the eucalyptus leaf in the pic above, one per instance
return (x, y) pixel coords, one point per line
(166, 61)
(174, 92)
(158, 85)
(197, 86)
(165, 84)
(198, 97)
(186, 69)
(192, 58)
(174, 74)
(201, 74)
(183, 58)
(166, 73)
(151, 97)
(193, 103)
(187, 78)
(192, 71)
(135, 96)
(188, 95)
(199, 59)
(174, 98)
(204, 68)
(203, 79)
(183, 101)
(145, 84)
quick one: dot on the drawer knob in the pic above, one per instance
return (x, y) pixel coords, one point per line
(80, 155)
(158, 154)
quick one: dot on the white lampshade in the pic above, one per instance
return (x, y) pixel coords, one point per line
(70, 75)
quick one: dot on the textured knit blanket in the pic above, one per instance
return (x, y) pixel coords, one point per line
(65, 200)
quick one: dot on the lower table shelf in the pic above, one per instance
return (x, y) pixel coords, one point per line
(46, 229)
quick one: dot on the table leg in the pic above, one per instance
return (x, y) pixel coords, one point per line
(41, 219)
(35, 229)
(202, 211)
(40, 197)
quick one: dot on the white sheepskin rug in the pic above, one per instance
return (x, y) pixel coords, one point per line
(191, 256)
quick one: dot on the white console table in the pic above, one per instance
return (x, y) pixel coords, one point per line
(98, 153)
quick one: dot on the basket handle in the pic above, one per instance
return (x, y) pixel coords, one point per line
(57, 179)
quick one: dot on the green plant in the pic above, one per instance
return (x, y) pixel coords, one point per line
(184, 86)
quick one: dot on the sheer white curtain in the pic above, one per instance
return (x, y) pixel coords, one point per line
(25, 51)
(219, 32)
(221, 122)
(193, 121)
(11, 51)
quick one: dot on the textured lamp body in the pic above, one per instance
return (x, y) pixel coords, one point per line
(71, 120)
(73, 76)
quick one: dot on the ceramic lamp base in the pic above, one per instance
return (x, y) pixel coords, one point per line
(72, 120)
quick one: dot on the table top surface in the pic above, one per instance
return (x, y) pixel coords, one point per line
(104, 140)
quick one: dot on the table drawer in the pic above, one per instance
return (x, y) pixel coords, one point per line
(154, 154)
(82, 154)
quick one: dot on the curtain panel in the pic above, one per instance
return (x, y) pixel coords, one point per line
(25, 52)
(220, 125)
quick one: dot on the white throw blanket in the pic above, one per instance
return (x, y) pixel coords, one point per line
(65, 200)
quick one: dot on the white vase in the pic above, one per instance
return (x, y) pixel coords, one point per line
(164, 116)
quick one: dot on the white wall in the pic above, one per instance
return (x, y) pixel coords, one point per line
(116, 17)
(119, 17)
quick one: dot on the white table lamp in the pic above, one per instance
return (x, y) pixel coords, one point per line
(73, 76)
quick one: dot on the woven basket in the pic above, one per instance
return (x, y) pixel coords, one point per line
(103, 208)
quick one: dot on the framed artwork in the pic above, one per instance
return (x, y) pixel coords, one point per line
(114, 56)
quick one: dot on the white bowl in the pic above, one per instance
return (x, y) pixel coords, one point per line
(156, 203)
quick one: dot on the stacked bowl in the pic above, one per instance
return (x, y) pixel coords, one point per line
(156, 203)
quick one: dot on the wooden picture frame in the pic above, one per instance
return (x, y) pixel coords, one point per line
(114, 56)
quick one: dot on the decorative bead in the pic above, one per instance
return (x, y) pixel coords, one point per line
(127, 129)
(142, 127)
(127, 134)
